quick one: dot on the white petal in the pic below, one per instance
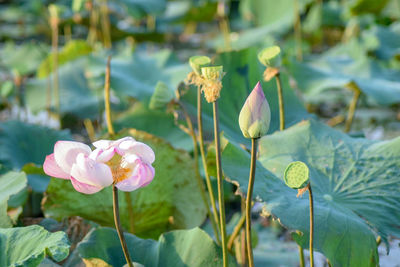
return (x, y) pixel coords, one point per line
(65, 153)
(101, 155)
(141, 176)
(140, 149)
(90, 172)
(104, 144)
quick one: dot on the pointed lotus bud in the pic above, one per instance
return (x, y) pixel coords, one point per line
(255, 116)
(212, 85)
(197, 62)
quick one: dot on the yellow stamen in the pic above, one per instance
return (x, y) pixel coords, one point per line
(119, 173)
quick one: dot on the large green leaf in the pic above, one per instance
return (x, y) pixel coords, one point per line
(22, 143)
(137, 76)
(22, 59)
(171, 201)
(345, 64)
(76, 95)
(242, 73)
(140, 8)
(28, 246)
(177, 248)
(385, 41)
(277, 14)
(11, 184)
(355, 185)
(155, 122)
(358, 7)
(72, 50)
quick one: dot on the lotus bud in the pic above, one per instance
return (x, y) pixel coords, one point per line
(212, 85)
(270, 57)
(255, 116)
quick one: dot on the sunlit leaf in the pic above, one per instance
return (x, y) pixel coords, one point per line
(28, 246)
(354, 182)
(177, 248)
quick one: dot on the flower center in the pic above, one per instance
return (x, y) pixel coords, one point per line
(119, 170)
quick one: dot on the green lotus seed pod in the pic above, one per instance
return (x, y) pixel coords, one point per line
(296, 175)
(197, 62)
(212, 73)
(161, 97)
(270, 56)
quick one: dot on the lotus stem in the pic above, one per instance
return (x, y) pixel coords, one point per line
(54, 44)
(220, 185)
(224, 25)
(90, 130)
(301, 256)
(198, 177)
(281, 104)
(311, 226)
(297, 31)
(94, 17)
(203, 159)
(107, 97)
(105, 24)
(352, 108)
(248, 200)
(118, 226)
(236, 231)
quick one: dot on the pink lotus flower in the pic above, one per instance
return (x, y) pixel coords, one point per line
(125, 162)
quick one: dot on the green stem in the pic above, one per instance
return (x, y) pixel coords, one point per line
(54, 43)
(248, 200)
(301, 255)
(107, 98)
(236, 231)
(281, 104)
(198, 177)
(203, 158)
(220, 185)
(311, 226)
(352, 109)
(297, 31)
(224, 25)
(118, 226)
(105, 24)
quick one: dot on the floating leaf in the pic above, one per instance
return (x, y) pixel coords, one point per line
(138, 75)
(355, 186)
(156, 122)
(28, 246)
(345, 64)
(139, 8)
(11, 184)
(22, 143)
(76, 95)
(171, 201)
(71, 51)
(21, 59)
(176, 248)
